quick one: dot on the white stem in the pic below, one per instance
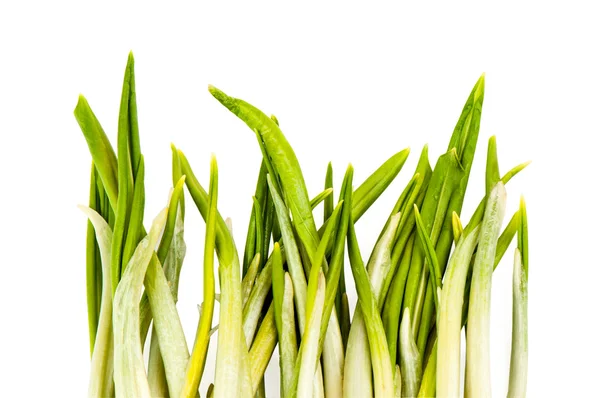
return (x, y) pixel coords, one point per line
(101, 377)
(310, 343)
(410, 359)
(478, 381)
(450, 317)
(358, 369)
(130, 371)
(517, 387)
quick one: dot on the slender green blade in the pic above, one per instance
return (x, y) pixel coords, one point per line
(506, 237)
(324, 195)
(523, 242)
(285, 162)
(278, 287)
(376, 183)
(457, 228)
(125, 173)
(428, 382)
(136, 231)
(492, 170)
(250, 247)
(328, 206)
(393, 306)
(232, 367)
(100, 148)
(172, 227)
(92, 263)
(262, 348)
(134, 134)
(427, 247)
(464, 139)
(195, 367)
(445, 180)
(259, 227)
(293, 255)
(288, 349)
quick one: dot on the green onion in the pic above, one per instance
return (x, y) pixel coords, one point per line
(426, 278)
(478, 328)
(101, 379)
(310, 341)
(517, 386)
(410, 359)
(250, 278)
(357, 368)
(450, 318)
(130, 372)
(382, 367)
(195, 367)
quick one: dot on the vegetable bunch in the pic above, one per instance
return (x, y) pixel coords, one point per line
(427, 278)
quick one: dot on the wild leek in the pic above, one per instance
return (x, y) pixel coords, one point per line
(428, 275)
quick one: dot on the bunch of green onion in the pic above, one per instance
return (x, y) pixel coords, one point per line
(428, 276)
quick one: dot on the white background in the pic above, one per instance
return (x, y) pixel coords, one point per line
(347, 84)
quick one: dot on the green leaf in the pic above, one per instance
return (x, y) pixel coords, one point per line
(445, 180)
(325, 195)
(285, 163)
(428, 382)
(492, 170)
(288, 349)
(93, 266)
(260, 194)
(100, 148)
(366, 194)
(195, 367)
(258, 219)
(506, 237)
(278, 287)
(262, 348)
(293, 255)
(457, 228)
(171, 226)
(523, 242)
(392, 307)
(136, 231)
(432, 261)
(328, 206)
